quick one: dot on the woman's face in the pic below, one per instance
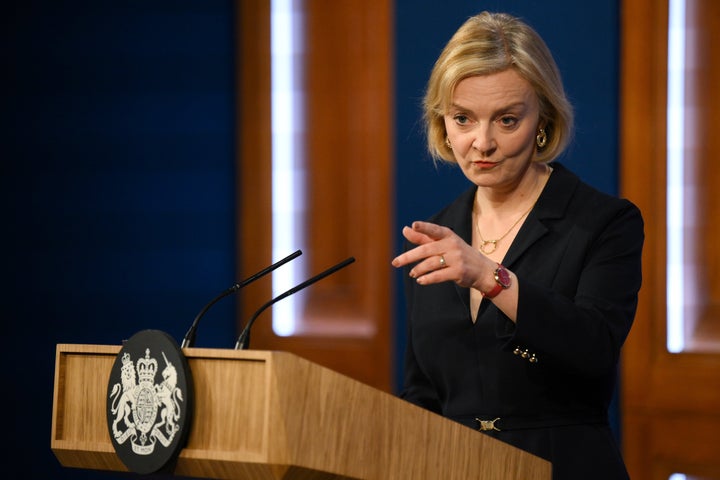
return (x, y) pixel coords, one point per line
(491, 125)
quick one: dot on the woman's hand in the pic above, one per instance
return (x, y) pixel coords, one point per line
(441, 255)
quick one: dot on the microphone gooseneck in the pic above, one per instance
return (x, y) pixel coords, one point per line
(243, 341)
(189, 339)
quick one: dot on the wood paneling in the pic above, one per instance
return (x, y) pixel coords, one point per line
(703, 145)
(347, 133)
(671, 402)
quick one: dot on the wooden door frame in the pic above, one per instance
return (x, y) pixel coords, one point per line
(349, 145)
(670, 403)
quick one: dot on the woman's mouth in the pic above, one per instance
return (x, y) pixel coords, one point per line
(484, 165)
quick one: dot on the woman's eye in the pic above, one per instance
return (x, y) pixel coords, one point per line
(461, 119)
(508, 121)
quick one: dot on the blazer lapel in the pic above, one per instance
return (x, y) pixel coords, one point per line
(552, 204)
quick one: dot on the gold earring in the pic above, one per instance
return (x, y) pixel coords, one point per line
(447, 142)
(541, 138)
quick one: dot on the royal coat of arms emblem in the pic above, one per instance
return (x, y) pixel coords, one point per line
(147, 404)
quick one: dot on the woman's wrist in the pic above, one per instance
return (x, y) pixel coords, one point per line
(501, 279)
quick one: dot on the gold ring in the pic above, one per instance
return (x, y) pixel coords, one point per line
(442, 262)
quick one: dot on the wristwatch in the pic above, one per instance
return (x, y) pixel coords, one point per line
(502, 278)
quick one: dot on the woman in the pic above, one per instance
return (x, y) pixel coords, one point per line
(521, 292)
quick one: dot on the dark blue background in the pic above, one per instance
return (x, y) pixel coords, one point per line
(118, 170)
(118, 199)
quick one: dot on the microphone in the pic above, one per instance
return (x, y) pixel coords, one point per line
(243, 340)
(189, 339)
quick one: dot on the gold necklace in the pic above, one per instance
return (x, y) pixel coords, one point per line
(493, 243)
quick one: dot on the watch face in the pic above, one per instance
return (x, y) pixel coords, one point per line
(502, 277)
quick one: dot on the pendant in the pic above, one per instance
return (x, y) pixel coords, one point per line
(489, 250)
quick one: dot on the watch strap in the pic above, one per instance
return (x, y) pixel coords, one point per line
(494, 292)
(500, 283)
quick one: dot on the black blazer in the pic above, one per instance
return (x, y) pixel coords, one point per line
(577, 260)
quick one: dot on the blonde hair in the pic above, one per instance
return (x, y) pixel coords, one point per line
(489, 43)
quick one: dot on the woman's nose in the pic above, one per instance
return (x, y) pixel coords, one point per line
(484, 141)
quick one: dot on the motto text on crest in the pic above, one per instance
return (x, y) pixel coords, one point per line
(143, 411)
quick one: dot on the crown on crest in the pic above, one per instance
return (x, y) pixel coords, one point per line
(146, 368)
(126, 359)
(127, 364)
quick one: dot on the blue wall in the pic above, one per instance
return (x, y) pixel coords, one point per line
(117, 188)
(117, 169)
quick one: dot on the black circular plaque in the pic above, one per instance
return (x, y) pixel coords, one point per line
(149, 402)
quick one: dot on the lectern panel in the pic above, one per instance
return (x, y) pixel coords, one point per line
(231, 405)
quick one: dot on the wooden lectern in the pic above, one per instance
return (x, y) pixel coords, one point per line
(273, 415)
